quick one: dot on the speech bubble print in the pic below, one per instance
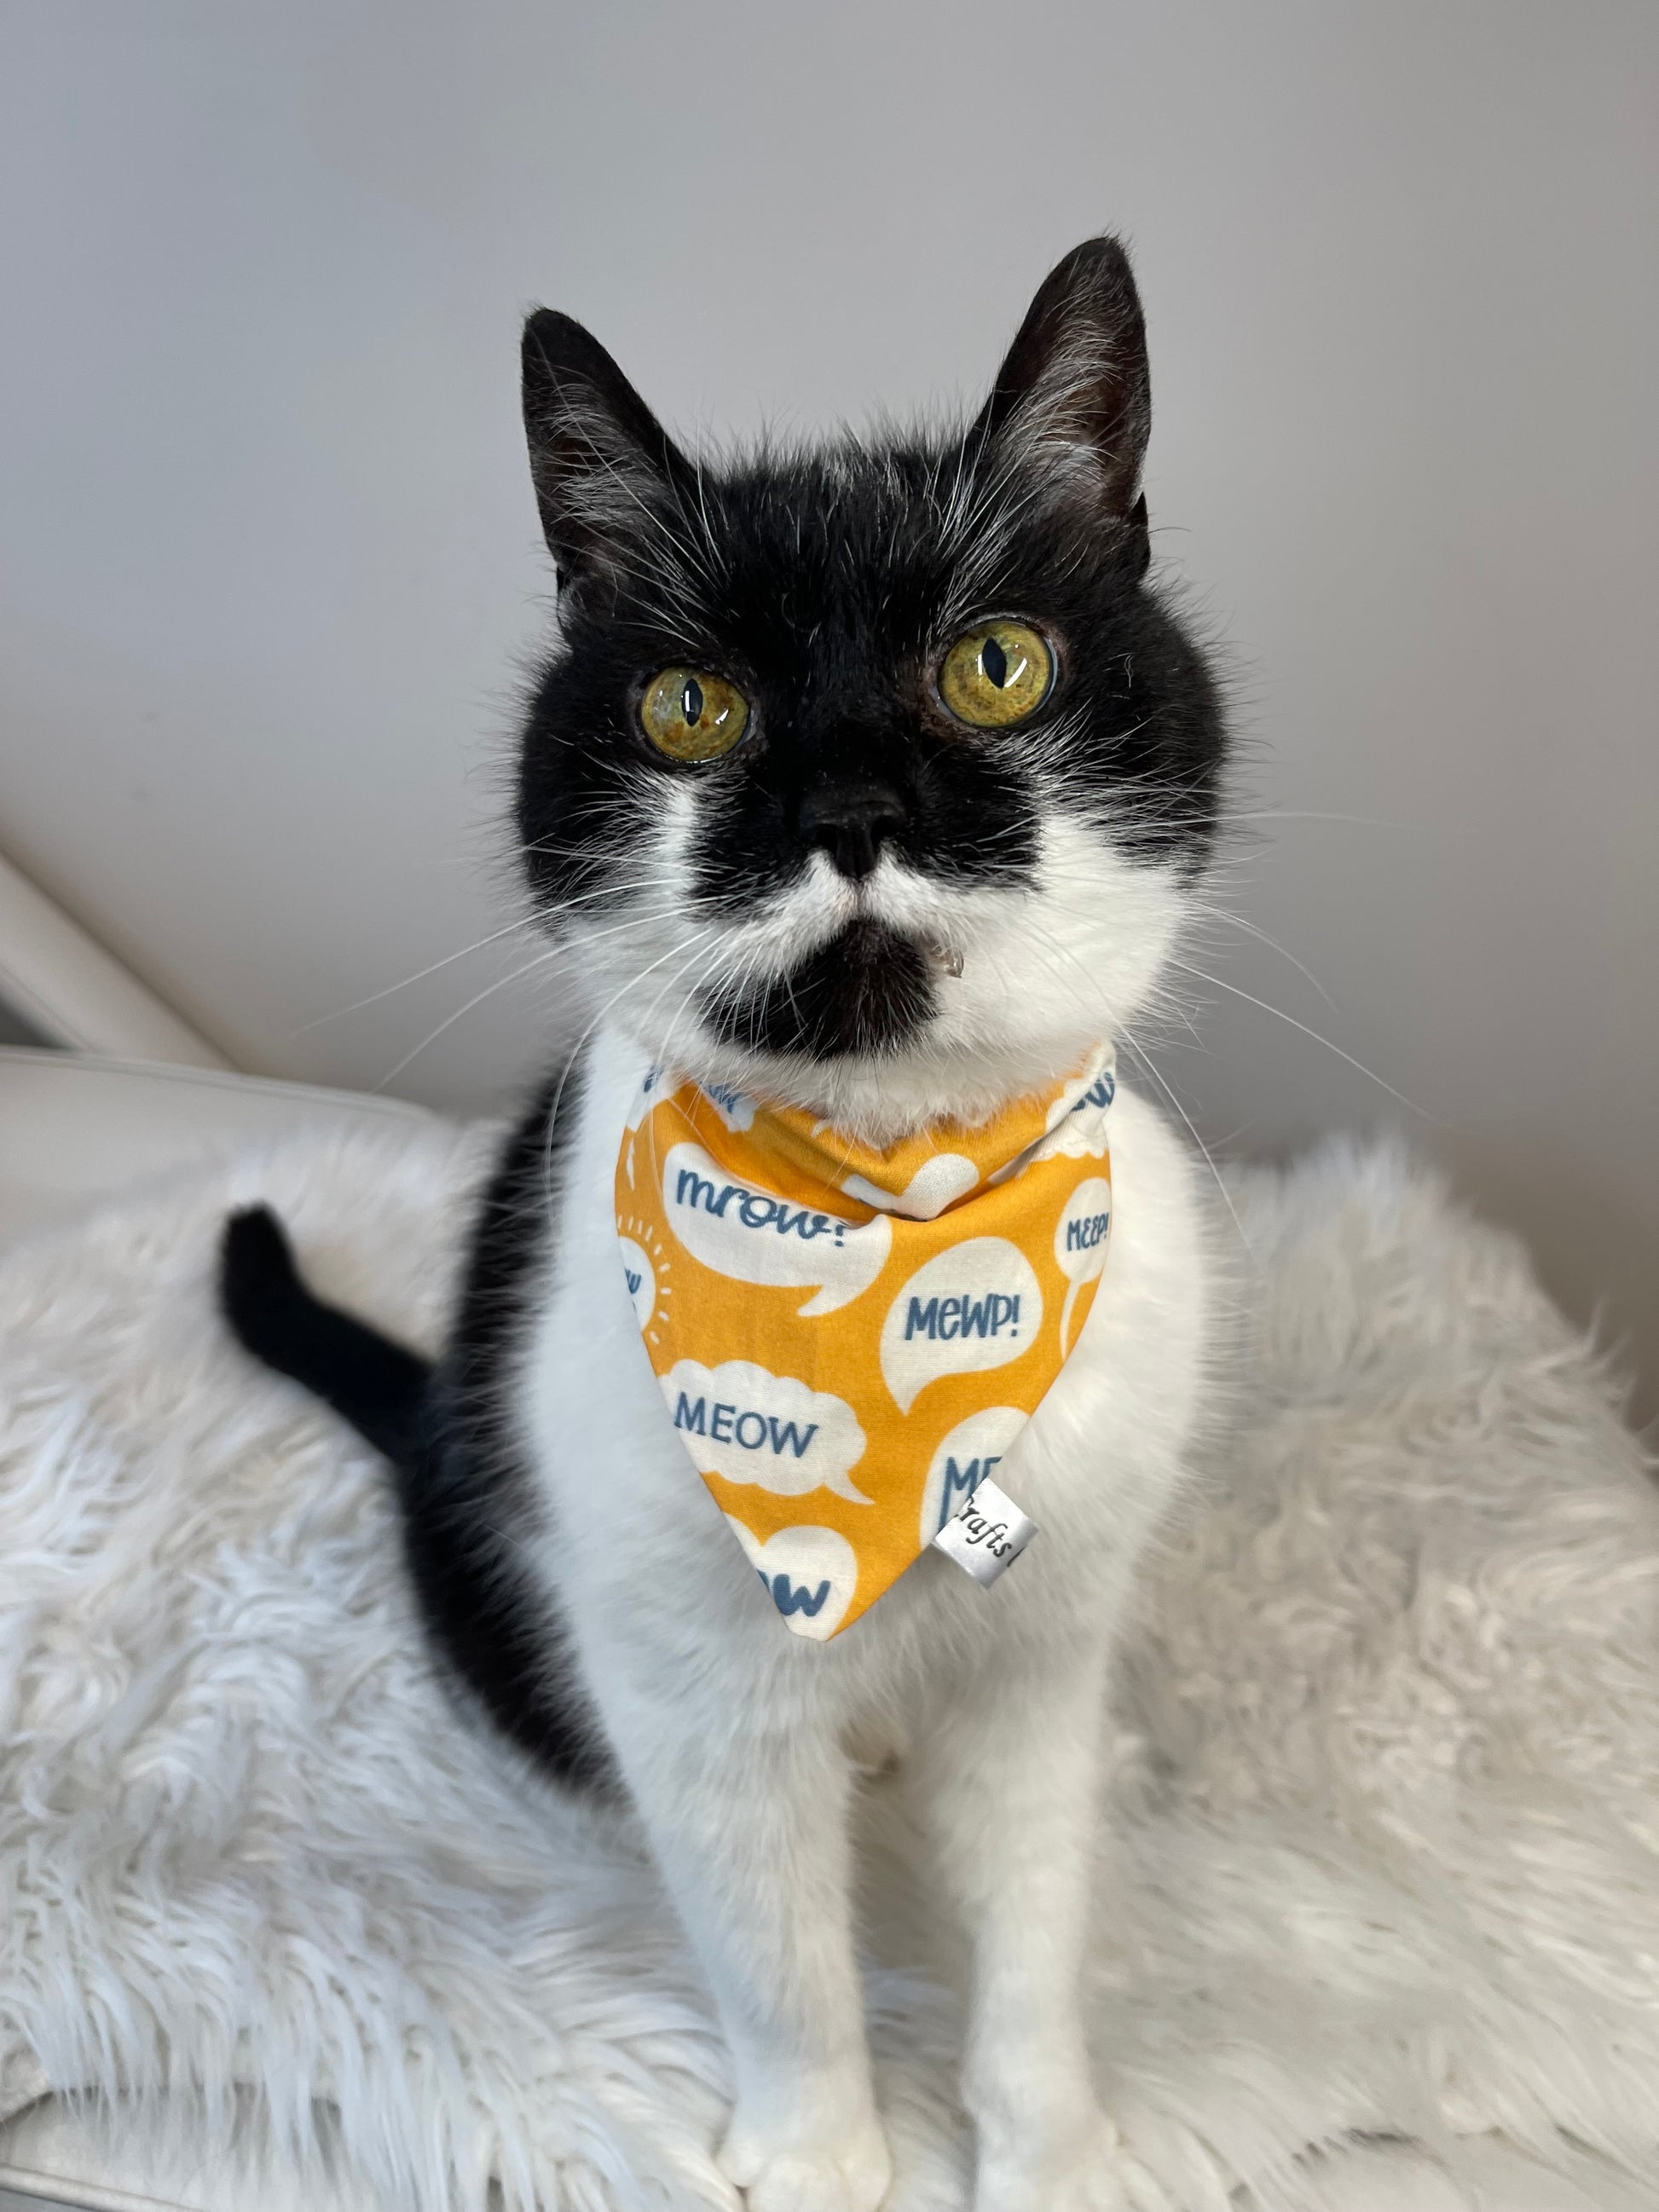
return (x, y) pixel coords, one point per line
(742, 1229)
(735, 1108)
(974, 1449)
(939, 1183)
(810, 1575)
(747, 1425)
(977, 1305)
(1080, 1236)
(1076, 1127)
(640, 1277)
(652, 1091)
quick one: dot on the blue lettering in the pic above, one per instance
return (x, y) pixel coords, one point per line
(633, 1278)
(789, 1599)
(755, 1208)
(962, 1482)
(806, 1225)
(754, 1430)
(1084, 1236)
(943, 1319)
(702, 1193)
(785, 1435)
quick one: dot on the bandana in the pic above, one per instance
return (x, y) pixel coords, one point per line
(847, 1342)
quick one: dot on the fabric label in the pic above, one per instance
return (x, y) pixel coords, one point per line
(986, 1535)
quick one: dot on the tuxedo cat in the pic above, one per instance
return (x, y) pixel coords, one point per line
(872, 779)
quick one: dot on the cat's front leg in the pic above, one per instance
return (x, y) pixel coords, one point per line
(1007, 1789)
(747, 1813)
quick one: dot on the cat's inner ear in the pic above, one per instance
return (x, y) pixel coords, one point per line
(1073, 397)
(600, 461)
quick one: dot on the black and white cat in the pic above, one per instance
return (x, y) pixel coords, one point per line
(873, 908)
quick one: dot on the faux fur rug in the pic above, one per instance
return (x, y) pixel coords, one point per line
(1388, 1856)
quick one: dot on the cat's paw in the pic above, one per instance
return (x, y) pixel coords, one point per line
(1082, 2174)
(815, 2168)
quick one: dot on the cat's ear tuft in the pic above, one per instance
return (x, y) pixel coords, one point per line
(1074, 394)
(598, 458)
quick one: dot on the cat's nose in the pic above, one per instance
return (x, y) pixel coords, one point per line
(851, 821)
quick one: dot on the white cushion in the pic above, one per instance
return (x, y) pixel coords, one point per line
(76, 1130)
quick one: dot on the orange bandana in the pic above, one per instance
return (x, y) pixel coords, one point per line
(849, 1341)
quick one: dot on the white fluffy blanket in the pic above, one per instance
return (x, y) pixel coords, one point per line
(1388, 1856)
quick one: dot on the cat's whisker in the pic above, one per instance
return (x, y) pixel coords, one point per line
(1122, 1030)
(1371, 1075)
(448, 961)
(478, 999)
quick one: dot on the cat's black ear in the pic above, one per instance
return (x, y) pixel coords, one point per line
(1074, 395)
(599, 457)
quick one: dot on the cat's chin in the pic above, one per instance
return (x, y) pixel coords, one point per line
(868, 992)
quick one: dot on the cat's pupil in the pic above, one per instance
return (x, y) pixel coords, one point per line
(995, 661)
(691, 700)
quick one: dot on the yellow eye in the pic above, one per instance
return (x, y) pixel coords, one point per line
(693, 717)
(996, 675)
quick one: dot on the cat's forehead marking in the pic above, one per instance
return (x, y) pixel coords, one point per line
(860, 543)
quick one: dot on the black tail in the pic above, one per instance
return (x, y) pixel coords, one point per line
(376, 1384)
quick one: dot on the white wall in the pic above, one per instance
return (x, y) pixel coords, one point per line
(269, 553)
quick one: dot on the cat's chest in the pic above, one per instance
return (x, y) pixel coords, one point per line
(639, 1548)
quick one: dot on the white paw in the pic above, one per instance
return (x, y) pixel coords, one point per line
(1023, 2173)
(848, 2173)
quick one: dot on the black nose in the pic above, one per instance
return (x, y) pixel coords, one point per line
(851, 821)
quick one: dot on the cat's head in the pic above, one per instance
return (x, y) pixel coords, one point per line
(873, 776)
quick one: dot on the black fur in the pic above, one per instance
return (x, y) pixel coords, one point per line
(375, 1383)
(863, 991)
(466, 1502)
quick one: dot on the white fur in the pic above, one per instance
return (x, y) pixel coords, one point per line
(1383, 1857)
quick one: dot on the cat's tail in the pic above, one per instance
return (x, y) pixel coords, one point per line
(376, 1384)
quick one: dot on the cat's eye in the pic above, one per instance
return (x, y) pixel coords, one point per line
(692, 716)
(996, 674)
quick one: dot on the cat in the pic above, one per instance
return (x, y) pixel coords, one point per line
(872, 908)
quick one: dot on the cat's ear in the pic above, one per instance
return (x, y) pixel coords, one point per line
(1073, 398)
(600, 460)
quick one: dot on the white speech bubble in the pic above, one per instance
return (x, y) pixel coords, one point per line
(1080, 1236)
(977, 1305)
(740, 1228)
(640, 1277)
(974, 1449)
(810, 1575)
(747, 1425)
(937, 1183)
(735, 1108)
(1076, 1127)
